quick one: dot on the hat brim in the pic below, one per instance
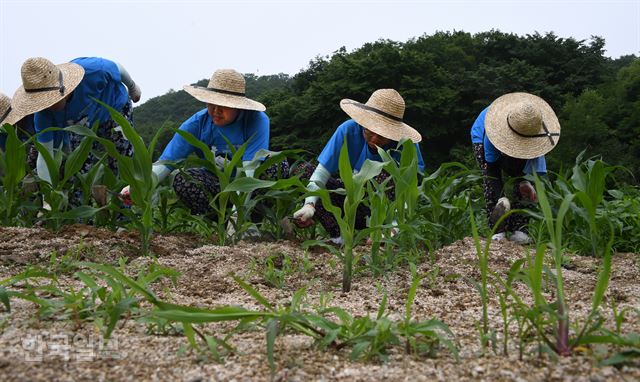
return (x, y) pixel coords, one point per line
(228, 100)
(512, 144)
(12, 117)
(379, 124)
(28, 103)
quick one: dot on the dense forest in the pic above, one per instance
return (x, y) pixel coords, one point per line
(446, 79)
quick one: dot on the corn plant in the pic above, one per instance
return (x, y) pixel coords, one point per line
(354, 189)
(275, 202)
(588, 218)
(405, 178)
(58, 192)
(483, 265)
(372, 338)
(623, 211)
(272, 199)
(224, 201)
(134, 171)
(12, 168)
(485, 272)
(539, 319)
(446, 198)
(167, 208)
(108, 295)
(381, 218)
(276, 268)
(103, 299)
(423, 337)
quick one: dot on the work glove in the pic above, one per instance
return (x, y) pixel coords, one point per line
(221, 162)
(45, 206)
(527, 191)
(135, 93)
(502, 207)
(303, 216)
(125, 196)
(231, 226)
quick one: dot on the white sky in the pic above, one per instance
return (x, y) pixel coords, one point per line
(167, 44)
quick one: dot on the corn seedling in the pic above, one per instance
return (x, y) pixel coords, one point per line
(228, 205)
(590, 212)
(354, 189)
(134, 171)
(380, 214)
(423, 337)
(405, 179)
(446, 197)
(59, 192)
(12, 168)
(539, 318)
(483, 265)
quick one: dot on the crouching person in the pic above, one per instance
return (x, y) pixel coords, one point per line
(377, 123)
(511, 136)
(229, 114)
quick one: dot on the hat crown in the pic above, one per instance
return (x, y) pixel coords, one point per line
(388, 101)
(227, 79)
(38, 73)
(525, 119)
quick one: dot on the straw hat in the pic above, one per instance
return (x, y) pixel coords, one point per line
(7, 114)
(382, 114)
(226, 88)
(44, 84)
(522, 125)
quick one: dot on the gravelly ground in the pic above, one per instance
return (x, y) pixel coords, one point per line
(446, 293)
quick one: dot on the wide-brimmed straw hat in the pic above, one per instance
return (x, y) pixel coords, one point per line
(44, 84)
(382, 114)
(522, 125)
(226, 88)
(7, 113)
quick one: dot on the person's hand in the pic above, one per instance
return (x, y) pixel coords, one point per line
(45, 206)
(527, 191)
(303, 216)
(135, 93)
(221, 162)
(231, 226)
(125, 196)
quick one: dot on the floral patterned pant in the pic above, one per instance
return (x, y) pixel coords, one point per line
(493, 189)
(109, 131)
(195, 187)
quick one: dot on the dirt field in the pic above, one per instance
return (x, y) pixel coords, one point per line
(32, 349)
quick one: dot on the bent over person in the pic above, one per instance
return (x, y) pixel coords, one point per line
(511, 136)
(64, 95)
(229, 114)
(377, 123)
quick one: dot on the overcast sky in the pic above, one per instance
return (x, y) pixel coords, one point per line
(167, 44)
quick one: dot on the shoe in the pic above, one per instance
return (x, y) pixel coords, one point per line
(520, 237)
(336, 240)
(502, 207)
(501, 236)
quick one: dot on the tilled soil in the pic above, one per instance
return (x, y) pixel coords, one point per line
(33, 349)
